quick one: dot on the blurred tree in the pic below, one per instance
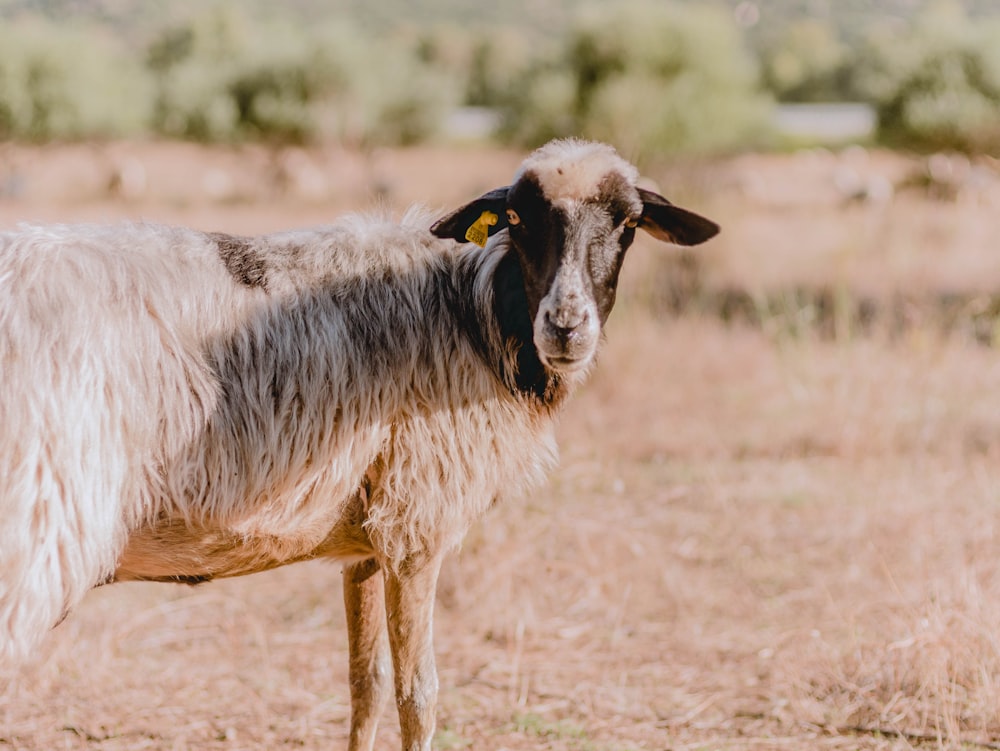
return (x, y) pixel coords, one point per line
(57, 83)
(402, 100)
(807, 62)
(193, 64)
(222, 78)
(496, 64)
(653, 79)
(938, 85)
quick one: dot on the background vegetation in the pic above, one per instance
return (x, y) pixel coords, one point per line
(655, 77)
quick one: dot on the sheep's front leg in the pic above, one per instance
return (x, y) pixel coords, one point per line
(370, 664)
(409, 598)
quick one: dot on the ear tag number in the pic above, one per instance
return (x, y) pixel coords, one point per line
(479, 232)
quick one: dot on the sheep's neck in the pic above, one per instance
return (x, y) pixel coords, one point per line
(526, 375)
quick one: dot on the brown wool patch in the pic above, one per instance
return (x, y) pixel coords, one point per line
(242, 260)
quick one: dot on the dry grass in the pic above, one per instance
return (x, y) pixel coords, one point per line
(755, 541)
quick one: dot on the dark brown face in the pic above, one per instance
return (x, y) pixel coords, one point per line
(571, 252)
(571, 216)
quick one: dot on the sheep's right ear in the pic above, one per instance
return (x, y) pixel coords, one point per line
(456, 225)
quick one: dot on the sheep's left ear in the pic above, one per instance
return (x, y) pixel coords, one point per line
(456, 225)
(672, 224)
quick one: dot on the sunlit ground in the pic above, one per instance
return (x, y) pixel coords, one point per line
(774, 533)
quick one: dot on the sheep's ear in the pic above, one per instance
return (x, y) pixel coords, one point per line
(672, 224)
(456, 225)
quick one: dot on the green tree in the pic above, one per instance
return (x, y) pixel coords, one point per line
(936, 86)
(496, 64)
(193, 64)
(653, 79)
(222, 78)
(808, 62)
(62, 83)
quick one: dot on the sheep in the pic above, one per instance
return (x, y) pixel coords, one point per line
(181, 406)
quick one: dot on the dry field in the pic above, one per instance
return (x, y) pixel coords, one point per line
(780, 531)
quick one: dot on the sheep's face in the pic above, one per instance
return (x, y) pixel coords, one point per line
(571, 215)
(570, 246)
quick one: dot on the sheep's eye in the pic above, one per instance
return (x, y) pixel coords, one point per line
(632, 222)
(512, 218)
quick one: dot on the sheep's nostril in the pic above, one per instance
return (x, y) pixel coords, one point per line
(566, 327)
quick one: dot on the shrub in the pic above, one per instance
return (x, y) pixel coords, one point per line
(652, 78)
(937, 86)
(65, 83)
(496, 64)
(221, 79)
(807, 62)
(217, 79)
(400, 98)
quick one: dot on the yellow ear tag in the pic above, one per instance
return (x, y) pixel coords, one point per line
(479, 232)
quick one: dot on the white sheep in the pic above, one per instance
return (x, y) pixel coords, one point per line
(180, 406)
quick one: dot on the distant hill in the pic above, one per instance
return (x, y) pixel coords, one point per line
(850, 17)
(130, 15)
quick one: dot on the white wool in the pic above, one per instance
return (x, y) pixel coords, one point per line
(572, 170)
(135, 427)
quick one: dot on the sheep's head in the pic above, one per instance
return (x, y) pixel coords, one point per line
(571, 215)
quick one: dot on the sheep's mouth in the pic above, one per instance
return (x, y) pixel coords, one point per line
(566, 353)
(565, 363)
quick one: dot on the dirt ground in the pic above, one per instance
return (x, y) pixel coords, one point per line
(760, 537)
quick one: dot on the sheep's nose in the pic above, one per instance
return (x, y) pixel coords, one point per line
(566, 326)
